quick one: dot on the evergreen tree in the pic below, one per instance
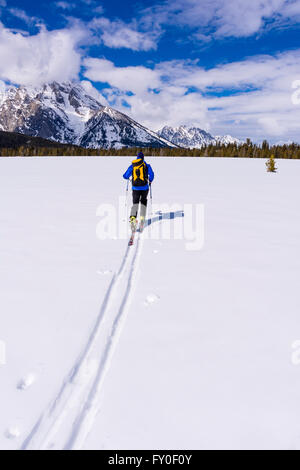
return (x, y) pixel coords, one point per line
(271, 165)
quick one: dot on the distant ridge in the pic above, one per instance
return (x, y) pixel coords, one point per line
(194, 137)
(13, 140)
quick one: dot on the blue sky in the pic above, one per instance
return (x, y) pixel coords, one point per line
(224, 65)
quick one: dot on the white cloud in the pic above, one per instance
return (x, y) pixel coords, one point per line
(174, 92)
(2, 88)
(255, 72)
(152, 101)
(134, 79)
(292, 11)
(92, 91)
(99, 9)
(46, 56)
(272, 126)
(117, 34)
(65, 5)
(260, 107)
(240, 19)
(22, 15)
(224, 18)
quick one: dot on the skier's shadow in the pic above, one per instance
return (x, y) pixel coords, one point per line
(164, 216)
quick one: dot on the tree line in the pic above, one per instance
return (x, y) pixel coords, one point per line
(245, 150)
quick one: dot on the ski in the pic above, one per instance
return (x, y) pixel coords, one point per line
(131, 240)
(142, 226)
(133, 230)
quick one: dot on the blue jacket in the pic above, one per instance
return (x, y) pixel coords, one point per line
(128, 174)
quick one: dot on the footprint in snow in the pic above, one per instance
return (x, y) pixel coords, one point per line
(12, 432)
(104, 272)
(151, 299)
(26, 382)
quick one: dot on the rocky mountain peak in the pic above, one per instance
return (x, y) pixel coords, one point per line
(193, 137)
(66, 113)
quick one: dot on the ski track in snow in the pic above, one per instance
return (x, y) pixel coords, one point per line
(66, 423)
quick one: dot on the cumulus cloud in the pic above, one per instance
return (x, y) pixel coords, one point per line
(251, 97)
(153, 100)
(117, 34)
(65, 5)
(22, 15)
(135, 79)
(224, 18)
(92, 91)
(68, 5)
(291, 10)
(246, 98)
(99, 10)
(40, 58)
(240, 19)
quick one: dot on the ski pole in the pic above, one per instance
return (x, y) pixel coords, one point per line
(126, 201)
(127, 188)
(151, 199)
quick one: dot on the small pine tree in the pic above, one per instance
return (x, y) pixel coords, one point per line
(271, 165)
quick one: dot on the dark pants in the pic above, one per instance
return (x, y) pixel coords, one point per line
(139, 197)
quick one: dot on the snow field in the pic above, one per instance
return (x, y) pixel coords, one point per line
(152, 347)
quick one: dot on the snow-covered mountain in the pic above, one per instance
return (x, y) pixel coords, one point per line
(186, 137)
(193, 137)
(66, 113)
(227, 139)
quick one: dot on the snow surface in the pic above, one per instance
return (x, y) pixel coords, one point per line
(196, 347)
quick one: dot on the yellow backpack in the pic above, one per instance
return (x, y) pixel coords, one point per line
(139, 173)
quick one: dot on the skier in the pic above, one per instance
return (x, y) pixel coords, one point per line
(142, 176)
